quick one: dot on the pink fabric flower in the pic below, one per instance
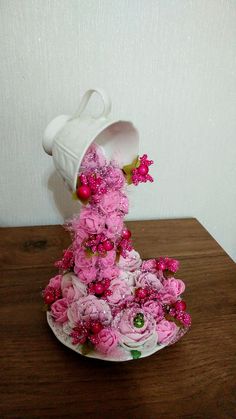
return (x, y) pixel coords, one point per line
(147, 279)
(82, 260)
(93, 158)
(107, 340)
(91, 221)
(111, 272)
(114, 225)
(55, 282)
(167, 331)
(154, 308)
(72, 288)
(131, 263)
(149, 266)
(108, 260)
(115, 178)
(120, 291)
(124, 204)
(129, 277)
(89, 308)
(59, 310)
(172, 289)
(110, 202)
(132, 337)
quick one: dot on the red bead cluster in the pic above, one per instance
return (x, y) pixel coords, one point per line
(89, 185)
(178, 312)
(67, 261)
(140, 174)
(125, 244)
(98, 243)
(167, 264)
(50, 295)
(86, 331)
(100, 288)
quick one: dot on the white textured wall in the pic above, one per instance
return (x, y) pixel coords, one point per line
(170, 66)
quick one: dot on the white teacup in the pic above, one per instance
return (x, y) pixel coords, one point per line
(67, 138)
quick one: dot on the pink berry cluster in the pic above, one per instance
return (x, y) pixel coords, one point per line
(98, 243)
(100, 288)
(178, 312)
(140, 174)
(167, 264)
(85, 332)
(67, 261)
(88, 185)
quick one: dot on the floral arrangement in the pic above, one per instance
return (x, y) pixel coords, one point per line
(105, 299)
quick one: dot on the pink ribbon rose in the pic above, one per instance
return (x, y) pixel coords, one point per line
(131, 263)
(120, 291)
(172, 289)
(55, 282)
(114, 225)
(89, 308)
(136, 329)
(59, 310)
(166, 331)
(91, 221)
(147, 279)
(72, 288)
(154, 308)
(107, 341)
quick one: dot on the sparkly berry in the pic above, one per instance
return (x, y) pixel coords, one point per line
(98, 289)
(83, 192)
(49, 297)
(141, 293)
(108, 245)
(180, 305)
(126, 234)
(143, 169)
(96, 327)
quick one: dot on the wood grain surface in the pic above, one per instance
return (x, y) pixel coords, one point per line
(194, 378)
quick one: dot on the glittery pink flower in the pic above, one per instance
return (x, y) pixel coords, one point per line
(93, 158)
(167, 331)
(131, 262)
(119, 292)
(147, 279)
(149, 266)
(89, 308)
(59, 310)
(115, 178)
(107, 340)
(108, 260)
(136, 328)
(155, 309)
(91, 221)
(114, 225)
(72, 288)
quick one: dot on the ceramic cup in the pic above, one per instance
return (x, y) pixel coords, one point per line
(67, 138)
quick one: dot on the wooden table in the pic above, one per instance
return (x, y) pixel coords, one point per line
(193, 379)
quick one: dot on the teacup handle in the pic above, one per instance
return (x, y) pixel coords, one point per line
(85, 99)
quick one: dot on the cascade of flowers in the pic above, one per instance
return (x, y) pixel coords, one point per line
(105, 298)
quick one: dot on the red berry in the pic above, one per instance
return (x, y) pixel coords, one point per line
(83, 192)
(49, 297)
(126, 234)
(143, 169)
(108, 245)
(98, 289)
(101, 248)
(141, 293)
(96, 327)
(180, 305)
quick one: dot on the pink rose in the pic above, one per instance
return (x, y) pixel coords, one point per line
(149, 266)
(171, 290)
(115, 178)
(108, 341)
(89, 308)
(124, 204)
(84, 261)
(93, 158)
(59, 310)
(114, 225)
(110, 202)
(120, 291)
(129, 277)
(174, 284)
(111, 272)
(131, 263)
(167, 331)
(87, 275)
(55, 282)
(147, 279)
(72, 288)
(136, 329)
(108, 260)
(154, 308)
(91, 221)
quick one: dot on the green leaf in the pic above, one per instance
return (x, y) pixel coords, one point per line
(86, 348)
(135, 354)
(127, 170)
